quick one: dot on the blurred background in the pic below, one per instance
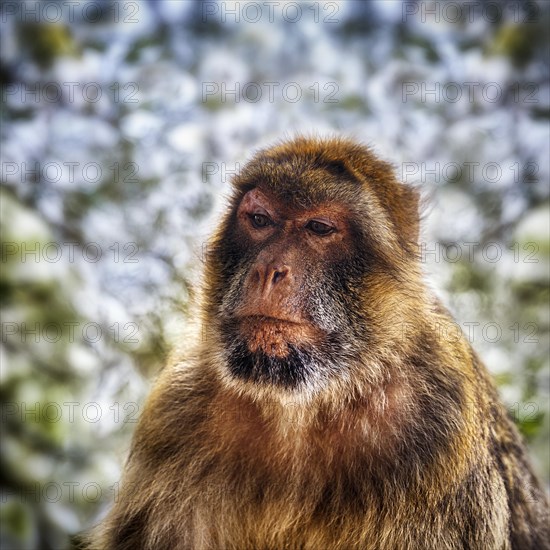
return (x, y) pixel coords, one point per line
(122, 123)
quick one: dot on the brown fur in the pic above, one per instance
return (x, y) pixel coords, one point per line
(405, 446)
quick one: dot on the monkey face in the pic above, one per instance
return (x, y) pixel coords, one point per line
(293, 265)
(285, 312)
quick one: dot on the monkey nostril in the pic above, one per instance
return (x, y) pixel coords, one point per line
(278, 274)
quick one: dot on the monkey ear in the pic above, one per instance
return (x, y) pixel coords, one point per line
(406, 216)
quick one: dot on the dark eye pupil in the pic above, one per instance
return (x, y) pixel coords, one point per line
(259, 220)
(320, 228)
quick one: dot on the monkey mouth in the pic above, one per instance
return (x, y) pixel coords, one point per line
(279, 352)
(274, 336)
(258, 318)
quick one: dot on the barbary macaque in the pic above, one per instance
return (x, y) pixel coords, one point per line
(321, 410)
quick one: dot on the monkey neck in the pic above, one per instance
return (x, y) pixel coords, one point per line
(381, 434)
(401, 404)
(366, 427)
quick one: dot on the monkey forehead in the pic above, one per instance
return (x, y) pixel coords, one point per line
(301, 187)
(286, 205)
(307, 171)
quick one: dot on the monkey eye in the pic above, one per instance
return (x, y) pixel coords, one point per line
(260, 220)
(319, 228)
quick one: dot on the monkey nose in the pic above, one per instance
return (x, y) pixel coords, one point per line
(271, 275)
